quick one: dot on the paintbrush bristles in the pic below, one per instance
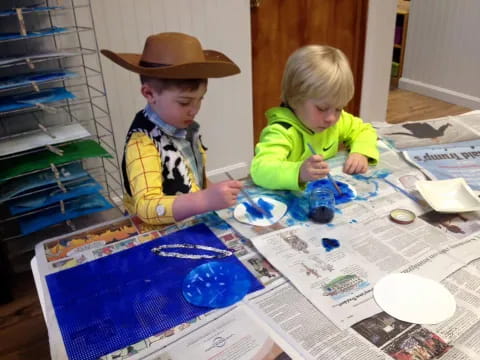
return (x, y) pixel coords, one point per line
(248, 198)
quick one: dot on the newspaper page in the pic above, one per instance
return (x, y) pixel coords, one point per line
(447, 130)
(292, 316)
(336, 282)
(235, 335)
(448, 163)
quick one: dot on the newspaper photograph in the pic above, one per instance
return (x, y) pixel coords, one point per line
(446, 130)
(448, 163)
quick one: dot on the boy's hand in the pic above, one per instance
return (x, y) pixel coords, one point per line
(355, 164)
(222, 195)
(313, 168)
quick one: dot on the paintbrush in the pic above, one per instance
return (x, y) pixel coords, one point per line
(328, 175)
(403, 191)
(249, 199)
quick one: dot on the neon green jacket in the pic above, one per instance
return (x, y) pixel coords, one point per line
(282, 148)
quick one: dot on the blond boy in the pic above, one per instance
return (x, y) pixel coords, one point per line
(317, 84)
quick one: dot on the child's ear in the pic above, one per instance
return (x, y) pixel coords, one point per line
(147, 92)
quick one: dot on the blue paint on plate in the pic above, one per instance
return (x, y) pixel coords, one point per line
(254, 213)
(216, 284)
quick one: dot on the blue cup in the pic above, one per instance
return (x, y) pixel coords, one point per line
(321, 203)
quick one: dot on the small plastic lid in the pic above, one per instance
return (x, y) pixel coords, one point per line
(402, 216)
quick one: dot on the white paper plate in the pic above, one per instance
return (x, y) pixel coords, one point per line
(279, 209)
(453, 195)
(414, 299)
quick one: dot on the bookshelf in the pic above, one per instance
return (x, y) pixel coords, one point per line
(400, 41)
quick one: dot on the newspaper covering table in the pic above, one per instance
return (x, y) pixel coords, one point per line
(298, 314)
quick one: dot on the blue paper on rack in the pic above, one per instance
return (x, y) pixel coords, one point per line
(110, 303)
(40, 181)
(33, 34)
(81, 187)
(74, 208)
(22, 101)
(30, 9)
(11, 82)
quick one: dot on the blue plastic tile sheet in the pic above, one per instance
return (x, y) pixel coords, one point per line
(73, 208)
(83, 186)
(29, 9)
(33, 34)
(13, 81)
(115, 301)
(23, 101)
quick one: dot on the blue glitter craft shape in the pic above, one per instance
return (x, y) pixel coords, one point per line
(216, 284)
(115, 301)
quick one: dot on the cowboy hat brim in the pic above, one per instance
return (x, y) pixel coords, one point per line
(216, 65)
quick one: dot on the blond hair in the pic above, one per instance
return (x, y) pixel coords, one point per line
(317, 72)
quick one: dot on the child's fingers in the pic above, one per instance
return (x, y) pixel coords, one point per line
(235, 184)
(316, 158)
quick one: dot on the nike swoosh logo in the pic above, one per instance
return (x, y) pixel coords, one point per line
(327, 148)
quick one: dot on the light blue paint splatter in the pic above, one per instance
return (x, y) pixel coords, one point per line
(330, 244)
(368, 180)
(212, 220)
(381, 173)
(378, 174)
(353, 221)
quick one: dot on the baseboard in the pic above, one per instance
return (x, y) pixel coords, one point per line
(238, 171)
(450, 96)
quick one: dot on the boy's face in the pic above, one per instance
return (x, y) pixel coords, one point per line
(175, 106)
(317, 115)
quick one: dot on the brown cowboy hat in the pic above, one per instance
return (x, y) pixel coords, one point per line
(175, 56)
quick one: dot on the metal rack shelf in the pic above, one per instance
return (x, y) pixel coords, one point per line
(45, 57)
(33, 10)
(65, 49)
(41, 84)
(39, 34)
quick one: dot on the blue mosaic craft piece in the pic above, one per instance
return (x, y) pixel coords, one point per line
(115, 301)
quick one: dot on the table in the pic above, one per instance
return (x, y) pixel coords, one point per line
(280, 320)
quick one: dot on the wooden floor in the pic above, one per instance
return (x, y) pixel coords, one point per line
(23, 334)
(408, 106)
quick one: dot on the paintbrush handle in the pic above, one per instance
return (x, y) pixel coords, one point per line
(330, 177)
(248, 197)
(403, 191)
(334, 183)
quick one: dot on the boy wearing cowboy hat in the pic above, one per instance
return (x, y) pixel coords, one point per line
(163, 164)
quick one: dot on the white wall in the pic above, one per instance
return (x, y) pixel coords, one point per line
(442, 56)
(378, 60)
(224, 25)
